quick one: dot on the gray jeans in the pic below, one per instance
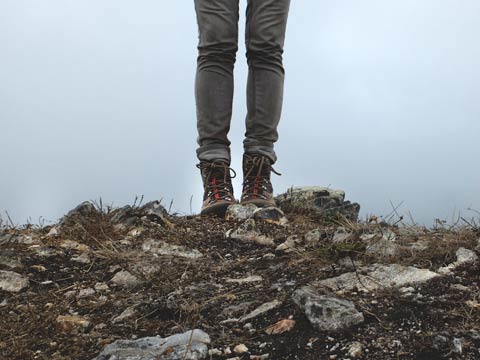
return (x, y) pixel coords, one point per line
(218, 44)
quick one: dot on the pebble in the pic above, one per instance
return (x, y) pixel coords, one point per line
(355, 350)
(240, 349)
(82, 259)
(124, 278)
(71, 323)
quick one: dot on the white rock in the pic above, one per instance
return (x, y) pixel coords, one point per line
(240, 349)
(12, 282)
(82, 259)
(327, 313)
(85, 293)
(191, 345)
(124, 278)
(262, 309)
(126, 314)
(215, 352)
(379, 276)
(53, 232)
(240, 212)
(355, 350)
(464, 256)
(248, 279)
(160, 247)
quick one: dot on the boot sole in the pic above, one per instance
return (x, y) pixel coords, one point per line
(216, 209)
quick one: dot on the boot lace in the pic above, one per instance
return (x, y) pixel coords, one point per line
(217, 183)
(255, 184)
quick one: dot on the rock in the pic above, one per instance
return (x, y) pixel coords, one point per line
(355, 350)
(280, 327)
(382, 248)
(160, 247)
(9, 259)
(7, 238)
(215, 352)
(157, 213)
(313, 237)
(126, 314)
(85, 293)
(240, 349)
(262, 309)
(125, 215)
(73, 245)
(378, 276)
(53, 232)
(45, 251)
(85, 210)
(271, 214)
(72, 323)
(464, 256)
(327, 313)
(12, 282)
(477, 247)
(259, 357)
(82, 259)
(240, 212)
(247, 233)
(191, 345)
(248, 279)
(125, 279)
(341, 235)
(458, 346)
(289, 245)
(322, 200)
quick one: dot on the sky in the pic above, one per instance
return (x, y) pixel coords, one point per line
(381, 100)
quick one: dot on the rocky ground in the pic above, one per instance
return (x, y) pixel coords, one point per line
(311, 282)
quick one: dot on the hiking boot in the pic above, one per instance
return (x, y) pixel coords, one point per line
(257, 188)
(217, 186)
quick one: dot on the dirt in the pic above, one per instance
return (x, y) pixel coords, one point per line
(176, 294)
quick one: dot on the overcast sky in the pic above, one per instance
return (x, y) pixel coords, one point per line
(381, 100)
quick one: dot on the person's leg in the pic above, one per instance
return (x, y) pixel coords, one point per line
(264, 37)
(217, 47)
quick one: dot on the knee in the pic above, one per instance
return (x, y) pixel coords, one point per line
(268, 56)
(218, 52)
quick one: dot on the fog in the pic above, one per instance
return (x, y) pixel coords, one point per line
(381, 100)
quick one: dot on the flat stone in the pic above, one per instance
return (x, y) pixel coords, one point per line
(289, 245)
(124, 278)
(240, 212)
(12, 282)
(191, 345)
(464, 256)
(378, 276)
(327, 313)
(322, 200)
(246, 280)
(126, 314)
(262, 309)
(160, 247)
